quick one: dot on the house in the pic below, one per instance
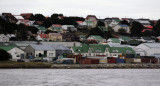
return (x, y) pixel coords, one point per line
(147, 39)
(133, 42)
(18, 17)
(41, 29)
(114, 40)
(28, 16)
(57, 37)
(39, 50)
(81, 24)
(114, 23)
(96, 38)
(9, 17)
(148, 49)
(69, 37)
(121, 26)
(43, 37)
(39, 23)
(56, 28)
(91, 20)
(143, 21)
(124, 38)
(25, 22)
(82, 37)
(101, 50)
(4, 38)
(49, 51)
(15, 52)
(69, 28)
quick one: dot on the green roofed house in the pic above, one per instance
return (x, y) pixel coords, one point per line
(41, 29)
(116, 51)
(102, 28)
(56, 28)
(15, 52)
(96, 38)
(124, 38)
(101, 50)
(114, 40)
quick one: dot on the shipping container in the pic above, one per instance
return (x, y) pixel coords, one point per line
(136, 60)
(102, 61)
(129, 60)
(120, 61)
(154, 60)
(67, 62)
(89, 61)
(145, 60)
(111, 60)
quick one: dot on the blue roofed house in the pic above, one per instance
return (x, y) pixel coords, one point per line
(121, 26)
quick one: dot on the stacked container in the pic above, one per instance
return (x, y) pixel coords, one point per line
(111, 60)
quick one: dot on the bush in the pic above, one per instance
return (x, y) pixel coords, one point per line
(4, 56)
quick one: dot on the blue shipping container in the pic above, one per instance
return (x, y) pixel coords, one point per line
(120, 61)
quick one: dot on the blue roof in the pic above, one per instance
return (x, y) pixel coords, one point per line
(123, 25)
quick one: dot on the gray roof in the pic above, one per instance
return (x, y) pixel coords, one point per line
(49, 47)
(152, 45)
(42, 47)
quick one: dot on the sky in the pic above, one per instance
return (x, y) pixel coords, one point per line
(82, 8)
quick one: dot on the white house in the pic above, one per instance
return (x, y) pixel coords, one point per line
(69, 27)
(4, 38)
(18, 17)
(148, 49)
(120, 26)
(15, 52)
(25, 22)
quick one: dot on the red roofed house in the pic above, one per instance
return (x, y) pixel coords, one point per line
(9, 17)
(28, 16)
(81, 24)
(56, 28)
(43, 37)
(57, 37)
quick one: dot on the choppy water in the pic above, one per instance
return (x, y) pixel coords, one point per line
(79, 77)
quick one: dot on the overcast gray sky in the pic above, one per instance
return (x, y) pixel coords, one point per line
(100, 8)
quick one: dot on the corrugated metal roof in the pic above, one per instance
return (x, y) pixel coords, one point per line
(152, 45)
(49, 47)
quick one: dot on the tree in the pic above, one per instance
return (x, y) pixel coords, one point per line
(39, 17)
(4, 56)
(124, 22)
(122, 31)
(47, 23)
(33, 29)
(100, 23)
(157, 28)
(136, 29)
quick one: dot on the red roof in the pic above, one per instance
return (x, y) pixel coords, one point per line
(79, 21)
(7, 14)
(39, 22)
(26, 15)
(149, 27)
(57, 25)
(146, 30)
(44, 35)
(55, 34)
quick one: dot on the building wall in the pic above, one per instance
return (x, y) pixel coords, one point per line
(29, 51)
(16, 53)
(55, 38)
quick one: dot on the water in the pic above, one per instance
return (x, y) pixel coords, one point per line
(79, 77)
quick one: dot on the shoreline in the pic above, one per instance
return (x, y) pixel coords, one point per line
(31, 65)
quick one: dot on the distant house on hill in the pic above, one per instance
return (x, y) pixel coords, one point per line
(25, 22)
(56, 28)
(4, 38)
(56, 37)
(91, 20)
(69, 28)
(28, 16)
(96, 38)
(120, 26)
(43, 37)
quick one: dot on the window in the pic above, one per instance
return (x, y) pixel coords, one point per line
(50, 54)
